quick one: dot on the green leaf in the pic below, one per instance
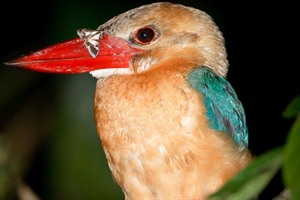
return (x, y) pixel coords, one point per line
(291, 165)
(293, 108)
(250, 182)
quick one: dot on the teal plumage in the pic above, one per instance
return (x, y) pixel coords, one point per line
(223, 108)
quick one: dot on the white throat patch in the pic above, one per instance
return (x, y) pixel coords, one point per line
(143, 65)
(102, 73)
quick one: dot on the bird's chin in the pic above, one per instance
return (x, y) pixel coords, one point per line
(102, 73)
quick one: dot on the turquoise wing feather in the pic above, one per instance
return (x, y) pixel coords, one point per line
(223, 108)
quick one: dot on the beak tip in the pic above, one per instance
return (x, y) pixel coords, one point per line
(14, 62)
(11, 63)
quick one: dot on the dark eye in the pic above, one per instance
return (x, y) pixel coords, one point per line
(144, 35)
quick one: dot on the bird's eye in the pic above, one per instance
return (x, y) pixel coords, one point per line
(144, 35)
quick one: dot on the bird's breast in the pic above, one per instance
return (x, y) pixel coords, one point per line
(153, 128)
(145, 106)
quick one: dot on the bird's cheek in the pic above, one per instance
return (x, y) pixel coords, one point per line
(142, 62)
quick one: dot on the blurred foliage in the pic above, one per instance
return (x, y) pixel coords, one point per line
(251, 181)
(291, 165)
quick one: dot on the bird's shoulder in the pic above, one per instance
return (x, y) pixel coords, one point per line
(223, 108)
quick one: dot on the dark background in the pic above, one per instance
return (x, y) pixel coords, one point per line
(47, 129)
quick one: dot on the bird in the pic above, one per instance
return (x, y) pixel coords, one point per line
(170, 124)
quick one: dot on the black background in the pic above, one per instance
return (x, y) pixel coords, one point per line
(260, 39)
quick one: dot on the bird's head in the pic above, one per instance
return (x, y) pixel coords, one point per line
(136, 41)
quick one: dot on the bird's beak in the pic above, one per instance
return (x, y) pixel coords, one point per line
(80, 55)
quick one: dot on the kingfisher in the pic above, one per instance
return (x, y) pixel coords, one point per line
(169, 122)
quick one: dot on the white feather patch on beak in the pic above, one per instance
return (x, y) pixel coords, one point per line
(91, 40)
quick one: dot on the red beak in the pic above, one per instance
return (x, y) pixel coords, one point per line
(73, 57)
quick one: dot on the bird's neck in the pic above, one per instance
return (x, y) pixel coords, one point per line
(156, 136)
